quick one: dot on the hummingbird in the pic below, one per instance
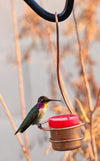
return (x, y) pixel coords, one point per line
(36, 114)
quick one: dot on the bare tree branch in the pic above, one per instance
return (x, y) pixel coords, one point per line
(82, 63)
(14, 127)
(98, 103)
(82, 110)
(19, 69)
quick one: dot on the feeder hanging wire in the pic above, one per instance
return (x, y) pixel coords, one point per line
(58, 73)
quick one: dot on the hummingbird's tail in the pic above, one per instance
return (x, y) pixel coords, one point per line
(23, 126)
(16, 131)
(22, 129)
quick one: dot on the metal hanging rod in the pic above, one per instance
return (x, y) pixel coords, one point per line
(50, 16)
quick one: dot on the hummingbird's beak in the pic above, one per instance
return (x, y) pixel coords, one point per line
(53, 100)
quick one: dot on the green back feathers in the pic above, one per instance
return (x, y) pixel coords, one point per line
(31, 116)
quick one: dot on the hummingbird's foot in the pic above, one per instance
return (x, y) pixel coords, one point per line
(39, 125)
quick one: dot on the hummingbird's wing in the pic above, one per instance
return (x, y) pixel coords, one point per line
(29, 119)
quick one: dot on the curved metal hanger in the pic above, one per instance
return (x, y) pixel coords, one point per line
(49, 16)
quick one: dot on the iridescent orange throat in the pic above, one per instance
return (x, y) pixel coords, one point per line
(42, 105)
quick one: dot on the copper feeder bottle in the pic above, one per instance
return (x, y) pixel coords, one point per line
(64, 139)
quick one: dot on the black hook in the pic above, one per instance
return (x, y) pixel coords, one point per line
(49, 16)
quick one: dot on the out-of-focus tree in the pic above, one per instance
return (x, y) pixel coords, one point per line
(81, 32)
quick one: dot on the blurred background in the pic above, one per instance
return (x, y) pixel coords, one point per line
(39, 72)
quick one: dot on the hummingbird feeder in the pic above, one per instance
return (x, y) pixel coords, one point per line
(65, 130)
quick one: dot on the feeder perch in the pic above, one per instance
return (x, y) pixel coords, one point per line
(67, 134)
